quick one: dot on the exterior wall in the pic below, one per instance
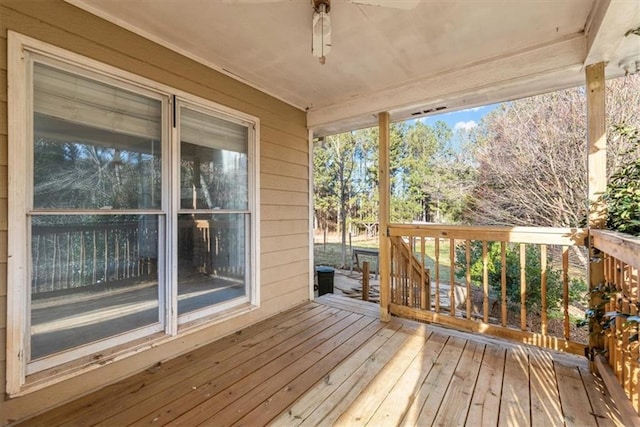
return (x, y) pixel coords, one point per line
(284, 179)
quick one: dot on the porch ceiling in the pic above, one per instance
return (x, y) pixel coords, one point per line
(454, 54)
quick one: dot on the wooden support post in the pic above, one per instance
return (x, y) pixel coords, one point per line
(365, 281)
(597, 179)
(384, 191)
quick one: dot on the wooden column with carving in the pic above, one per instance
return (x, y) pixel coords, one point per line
(384, 191)
(597, 182)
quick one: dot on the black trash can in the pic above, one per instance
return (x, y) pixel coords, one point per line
(325, 280)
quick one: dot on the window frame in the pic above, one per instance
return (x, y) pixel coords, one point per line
(23, 51)
(184, 320)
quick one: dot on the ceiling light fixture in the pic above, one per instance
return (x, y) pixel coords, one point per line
(321, 29)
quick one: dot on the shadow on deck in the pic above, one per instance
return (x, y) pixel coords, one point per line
(333, 362)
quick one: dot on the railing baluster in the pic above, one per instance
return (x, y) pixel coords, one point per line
(503, 283)
(95, 257)
(468, 276)
(565, 291)
(626, 362)
(68, 269)
(452, 277)
(634, 355)
(396, 276)
(36, 266)
(523, 286)
(82, 258)
(53, 267)
(116, 245)
(619, 344)
(425, 294)
(437, 268)
(543, 288)
(485, 282)
(611, 306)
(410, 276)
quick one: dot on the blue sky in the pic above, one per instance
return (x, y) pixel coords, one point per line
(464, 119)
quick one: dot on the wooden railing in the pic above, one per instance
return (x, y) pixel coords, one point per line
(495, 293)
(621, 258)
(72, 256)
(410, 280)
(81, 255)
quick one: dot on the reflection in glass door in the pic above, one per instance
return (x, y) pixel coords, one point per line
(95, 212)
(213, 217)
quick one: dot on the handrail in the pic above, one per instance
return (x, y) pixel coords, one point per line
(540, 235)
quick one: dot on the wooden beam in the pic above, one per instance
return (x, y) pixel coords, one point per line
(490, 80)
(384, 191)
(597, 179)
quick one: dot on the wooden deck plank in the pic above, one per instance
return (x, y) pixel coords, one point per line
(485, 404)
(455, 406)
(429, 397)
(392, 409)
(515, 401)
(545, 398)
(333, 362)
(353, 305)
(190, 388)
(103, 401)
(604, 409)
(573, 397)
(333, 406)
(225, 406)
(324, 389)
(363, 407)
(278, 402)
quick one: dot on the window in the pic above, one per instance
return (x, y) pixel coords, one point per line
(132, 210)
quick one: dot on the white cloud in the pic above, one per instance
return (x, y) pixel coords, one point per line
(474, 109)
(466, 125)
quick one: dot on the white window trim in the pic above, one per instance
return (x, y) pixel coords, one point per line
(20, 131)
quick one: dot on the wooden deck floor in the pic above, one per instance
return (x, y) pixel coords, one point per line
(332, 362)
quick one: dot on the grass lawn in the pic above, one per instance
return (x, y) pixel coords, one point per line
(330, 255)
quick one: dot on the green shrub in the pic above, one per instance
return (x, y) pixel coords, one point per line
(533, 270)
(623, 190)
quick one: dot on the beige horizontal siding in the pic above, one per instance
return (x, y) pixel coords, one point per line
(3, 78)
(283, 168)
(275, 275)
(283, 257)
(276, 182)
(284, 198)
(283, 212)
(278, 152)
(280, 243)
(3, 51)
(3, 281)
(284, 287)
(284, 227)
(299, 296)
(3, 150)
(284, 179)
